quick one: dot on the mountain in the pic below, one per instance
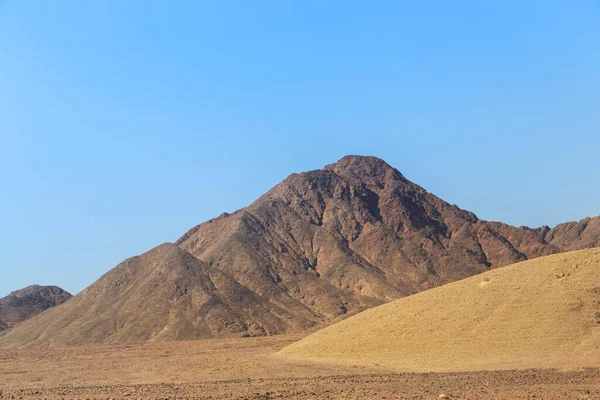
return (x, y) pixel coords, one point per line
(537, 313)
(29, 302)
(358, 233)
(318, 247)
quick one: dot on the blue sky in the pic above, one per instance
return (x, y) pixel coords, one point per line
(125, 123)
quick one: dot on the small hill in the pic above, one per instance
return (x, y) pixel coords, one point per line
(29, 302)
(164, 294)
(539, 313)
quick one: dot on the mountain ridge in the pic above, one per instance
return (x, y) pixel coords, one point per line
(328, 243)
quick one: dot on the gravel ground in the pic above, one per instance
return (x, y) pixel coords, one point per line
(527, 384)
(249, 369)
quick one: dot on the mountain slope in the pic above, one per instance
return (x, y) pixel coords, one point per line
(29, 302)
(316, 248)
(358, 233)
(538, 313)
(163, 294)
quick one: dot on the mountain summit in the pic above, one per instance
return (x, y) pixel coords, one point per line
(319, 246)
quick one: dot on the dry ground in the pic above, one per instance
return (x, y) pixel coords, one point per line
(250, 369)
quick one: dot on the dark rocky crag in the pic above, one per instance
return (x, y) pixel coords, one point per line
(26, 303)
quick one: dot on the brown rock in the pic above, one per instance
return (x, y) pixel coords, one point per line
(316, 248)
(29, 302)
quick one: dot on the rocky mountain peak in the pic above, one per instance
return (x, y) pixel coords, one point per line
(371, 171)
(367, 164)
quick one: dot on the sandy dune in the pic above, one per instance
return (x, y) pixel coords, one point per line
(538, 313)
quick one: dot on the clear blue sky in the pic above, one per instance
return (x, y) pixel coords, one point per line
(125, 123)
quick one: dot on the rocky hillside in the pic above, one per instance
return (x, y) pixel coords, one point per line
(163, 294)
(29, 302)
(357, 232)
(316, 248)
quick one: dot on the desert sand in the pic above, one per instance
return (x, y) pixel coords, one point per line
(249, 368)
(542, 312)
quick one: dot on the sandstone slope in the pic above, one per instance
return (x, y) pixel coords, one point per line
(537, 313)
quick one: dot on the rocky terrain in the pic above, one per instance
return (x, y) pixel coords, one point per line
(358, 233)
(29, 302)
(318, 247)
(501, 385)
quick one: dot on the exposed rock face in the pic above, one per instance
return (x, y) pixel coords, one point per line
(29, 302)
(318, 247)
(357, 233)
(575, 235)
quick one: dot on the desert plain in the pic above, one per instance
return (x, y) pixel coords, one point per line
(250, 368)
